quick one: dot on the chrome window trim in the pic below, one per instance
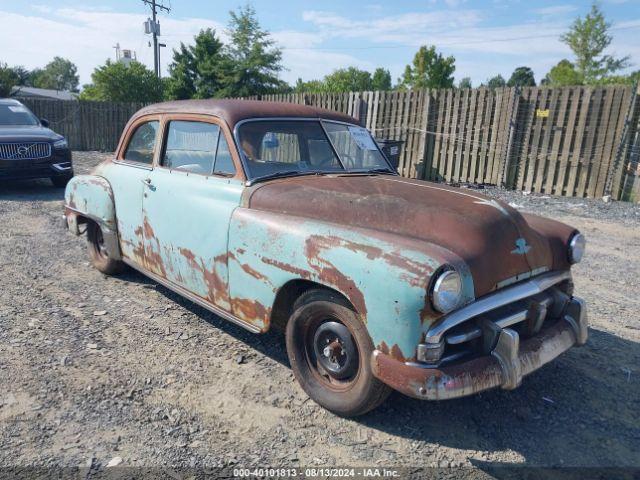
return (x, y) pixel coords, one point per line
(130, 163)
(495, 300)
(243, 159)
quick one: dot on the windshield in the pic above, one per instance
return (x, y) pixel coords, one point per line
(17, 115)
(289, 147)
(356, 147)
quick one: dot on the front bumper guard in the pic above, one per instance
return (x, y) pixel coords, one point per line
(508, 363)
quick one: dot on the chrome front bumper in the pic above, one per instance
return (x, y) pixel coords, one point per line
(507, 364)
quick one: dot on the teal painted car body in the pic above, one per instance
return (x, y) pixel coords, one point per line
(377, 240)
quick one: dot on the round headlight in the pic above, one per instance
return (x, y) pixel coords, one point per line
(576, 248)
(447, 291)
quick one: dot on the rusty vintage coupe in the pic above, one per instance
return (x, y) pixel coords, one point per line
(287, 216)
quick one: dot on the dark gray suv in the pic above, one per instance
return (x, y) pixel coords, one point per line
(28, 149)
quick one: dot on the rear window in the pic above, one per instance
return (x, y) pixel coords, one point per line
(17, 115)
(143, 143)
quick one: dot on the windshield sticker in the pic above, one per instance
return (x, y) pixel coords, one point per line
(18, 109)
(362, 138)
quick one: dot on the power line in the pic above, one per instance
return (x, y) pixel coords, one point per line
(455, 43)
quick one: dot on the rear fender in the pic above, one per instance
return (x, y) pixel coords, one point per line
(89, 197)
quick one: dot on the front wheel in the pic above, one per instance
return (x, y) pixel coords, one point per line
(330, 350)
(98, 252)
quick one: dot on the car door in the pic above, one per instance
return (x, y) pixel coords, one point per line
(126, 174)
(189, 199)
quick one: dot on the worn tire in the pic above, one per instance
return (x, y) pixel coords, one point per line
(356, 395)
(61, 181)
(99, 258)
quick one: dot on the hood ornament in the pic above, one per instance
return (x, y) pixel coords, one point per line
(521, 247)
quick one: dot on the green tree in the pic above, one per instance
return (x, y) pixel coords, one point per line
(350, 79)
(34, 77)
(312, 86)
(496, 82)
(563, 74)
(198, 70)
(254, 60)
(428, 70)
(465, 82)
(522, 77)
(381, 79)
(632, 79)
(8, 79)
(59, 74)
(588, 38)
(117, 82)
(23, 75)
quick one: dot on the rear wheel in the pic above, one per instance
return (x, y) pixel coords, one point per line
(98, 252)
(330, 350)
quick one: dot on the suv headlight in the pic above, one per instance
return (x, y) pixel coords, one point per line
(577, 245)
(61, 144)
(447, 291)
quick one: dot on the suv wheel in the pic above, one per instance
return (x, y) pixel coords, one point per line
(62, 180)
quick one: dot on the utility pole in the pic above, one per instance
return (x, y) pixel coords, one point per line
(154, 28)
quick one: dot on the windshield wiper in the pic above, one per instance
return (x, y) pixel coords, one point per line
(370, 171)
(381, 170)
(283, 174)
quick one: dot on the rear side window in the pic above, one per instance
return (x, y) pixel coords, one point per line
(224, 162)
(191, 146)
(143, 143)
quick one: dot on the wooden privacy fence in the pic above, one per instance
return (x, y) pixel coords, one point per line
(86, 125)
(571, 141)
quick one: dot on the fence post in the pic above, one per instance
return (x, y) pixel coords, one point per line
(618, 163)
(506, 175)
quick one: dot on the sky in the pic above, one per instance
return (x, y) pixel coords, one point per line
(487, 37)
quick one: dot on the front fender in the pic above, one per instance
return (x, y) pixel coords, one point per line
(386, 277)
(89, 197)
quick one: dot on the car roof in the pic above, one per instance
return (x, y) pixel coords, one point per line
(234, 110)
(9, 101)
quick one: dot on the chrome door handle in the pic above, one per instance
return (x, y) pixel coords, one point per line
(147, 182)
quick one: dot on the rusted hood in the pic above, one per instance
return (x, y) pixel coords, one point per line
(493, 238)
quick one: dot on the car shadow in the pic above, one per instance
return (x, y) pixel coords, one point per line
(271, 344)
(579, 410)
(30, 190)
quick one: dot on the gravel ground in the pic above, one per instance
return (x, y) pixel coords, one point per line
(93, 368)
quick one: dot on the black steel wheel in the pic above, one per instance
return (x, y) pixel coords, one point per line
(329, 349)
(98, 252)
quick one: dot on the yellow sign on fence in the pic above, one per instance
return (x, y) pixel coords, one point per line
(542, 113)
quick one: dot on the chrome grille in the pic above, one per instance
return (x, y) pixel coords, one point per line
(25, 151)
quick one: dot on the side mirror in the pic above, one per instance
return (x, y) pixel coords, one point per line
(44, 122)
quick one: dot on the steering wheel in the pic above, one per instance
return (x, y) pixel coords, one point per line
(352, 160)
(327, 161)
